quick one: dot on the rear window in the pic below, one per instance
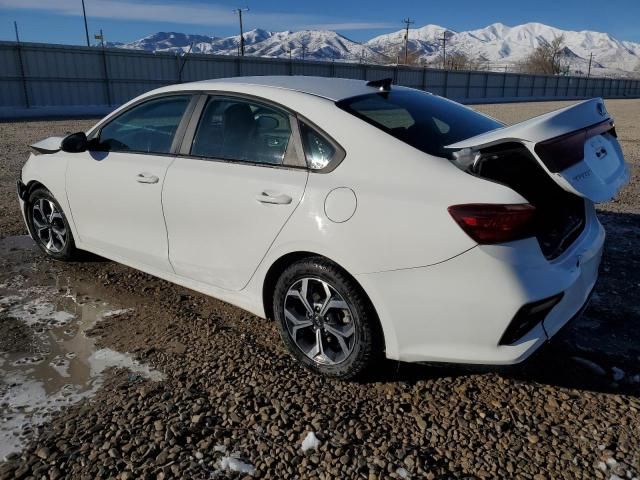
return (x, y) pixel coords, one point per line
(424, 121)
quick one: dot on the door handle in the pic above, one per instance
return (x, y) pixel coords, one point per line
(280, 199)
(147, 178)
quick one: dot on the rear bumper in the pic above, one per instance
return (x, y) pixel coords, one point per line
(459, 310)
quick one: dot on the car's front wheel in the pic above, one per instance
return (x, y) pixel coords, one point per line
(325, 319)
(48, 225)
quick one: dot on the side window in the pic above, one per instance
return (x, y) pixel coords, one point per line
(317, 149)
(147, 128)
(235, 129)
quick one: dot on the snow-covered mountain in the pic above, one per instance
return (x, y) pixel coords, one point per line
(504, 45)
(309, 44)
(497, 45)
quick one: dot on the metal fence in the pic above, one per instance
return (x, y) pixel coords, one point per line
(43, 79)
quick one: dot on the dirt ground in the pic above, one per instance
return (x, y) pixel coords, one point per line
(232, 398)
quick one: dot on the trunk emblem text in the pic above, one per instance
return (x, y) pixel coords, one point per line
(583, 175)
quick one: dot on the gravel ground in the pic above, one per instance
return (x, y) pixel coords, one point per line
(231, 391)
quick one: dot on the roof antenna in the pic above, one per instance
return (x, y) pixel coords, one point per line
(384, 84)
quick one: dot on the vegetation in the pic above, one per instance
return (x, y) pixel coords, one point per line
(548, 59)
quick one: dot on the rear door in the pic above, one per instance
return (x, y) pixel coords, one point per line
(577, 146)
(238, 179)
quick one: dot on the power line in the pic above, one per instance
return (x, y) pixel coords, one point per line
(86, 29)
(239, 12)
(407, 21)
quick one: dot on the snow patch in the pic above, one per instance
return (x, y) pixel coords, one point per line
(310, 442)
(236, 465)
(402, 473)
(116, 313)
(105, 358)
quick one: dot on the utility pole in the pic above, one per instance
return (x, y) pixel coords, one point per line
(444, 49)
(407, 21)
(239, 12)
(15, 27)
(86, 29)
(590, 60)
(101, 38)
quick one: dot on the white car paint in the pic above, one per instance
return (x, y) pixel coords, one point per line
(438, 295)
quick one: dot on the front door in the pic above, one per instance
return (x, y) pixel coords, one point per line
(115, 188)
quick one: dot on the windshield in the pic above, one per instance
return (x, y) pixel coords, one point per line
(426, 122)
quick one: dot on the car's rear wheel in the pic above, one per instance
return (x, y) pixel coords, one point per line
(325, 319)
(48, 225)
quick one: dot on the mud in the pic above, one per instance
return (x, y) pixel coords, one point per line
(232, 403)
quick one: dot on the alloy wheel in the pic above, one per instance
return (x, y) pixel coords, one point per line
(319, 321)
(49, 225)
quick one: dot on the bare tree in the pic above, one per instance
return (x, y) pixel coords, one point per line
(548, 59)
(413, 57)
(456, 60)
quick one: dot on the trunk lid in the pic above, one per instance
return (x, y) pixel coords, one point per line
(576, 146)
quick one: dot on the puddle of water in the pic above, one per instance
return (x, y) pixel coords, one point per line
(46, 359)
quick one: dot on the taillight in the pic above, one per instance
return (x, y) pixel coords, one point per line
(489, 223)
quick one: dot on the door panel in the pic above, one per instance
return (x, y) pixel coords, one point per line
(115, 189)
(116, 204)
(222, 216)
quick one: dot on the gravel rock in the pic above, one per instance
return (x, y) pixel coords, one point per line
(232, 392)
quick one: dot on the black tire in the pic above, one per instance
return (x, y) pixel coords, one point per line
(60, 250)
(367, 346)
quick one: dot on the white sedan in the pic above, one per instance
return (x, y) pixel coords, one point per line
(366, 219)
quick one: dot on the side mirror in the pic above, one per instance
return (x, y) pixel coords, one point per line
(75, 143)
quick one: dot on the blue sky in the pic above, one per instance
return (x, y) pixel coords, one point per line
(60, 21)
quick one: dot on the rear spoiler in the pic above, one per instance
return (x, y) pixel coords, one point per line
(543, 127)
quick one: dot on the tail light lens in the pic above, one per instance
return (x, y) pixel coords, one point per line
(494, 223)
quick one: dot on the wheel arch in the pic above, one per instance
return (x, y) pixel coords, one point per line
(32, 185)
(284, 261)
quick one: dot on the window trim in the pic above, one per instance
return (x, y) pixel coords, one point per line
(338, 156)
(95, 132)
(191, 117)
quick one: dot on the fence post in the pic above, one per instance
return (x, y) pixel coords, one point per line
(518, 85)
(27, 103)
(468, 85)
(364, 71)
(446, 83)
(504, 85)
(424, 78)
(533, 85)
(106, 77)
(546, 84)
(486, 85)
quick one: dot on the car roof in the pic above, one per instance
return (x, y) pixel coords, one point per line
(334, 89)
